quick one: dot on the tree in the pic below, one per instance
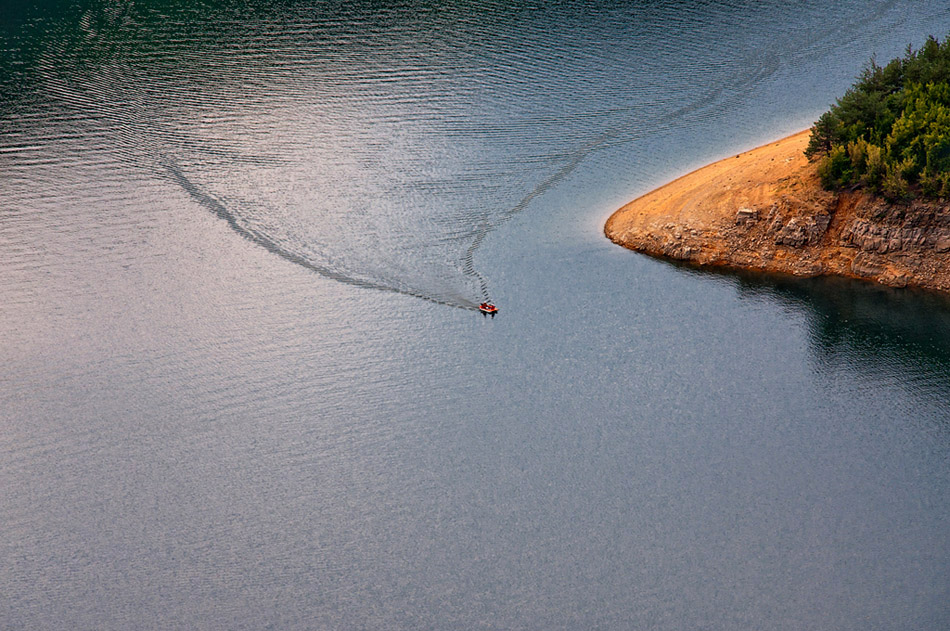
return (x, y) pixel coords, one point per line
(890, 131)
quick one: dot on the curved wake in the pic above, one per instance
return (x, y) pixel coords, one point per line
(378, 146)
(212, 204)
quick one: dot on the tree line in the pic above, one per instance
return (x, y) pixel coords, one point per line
(890, 132)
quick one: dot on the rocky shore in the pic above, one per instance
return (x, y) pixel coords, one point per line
(766, 210)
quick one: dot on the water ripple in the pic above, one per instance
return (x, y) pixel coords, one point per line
(407, 151)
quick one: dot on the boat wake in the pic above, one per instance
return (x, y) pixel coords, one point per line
(234, 221)
(377, 161)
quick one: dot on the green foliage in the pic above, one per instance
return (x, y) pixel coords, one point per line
(895, 186)
(874, 167)
(835, 169)
(890, 131)
(824, 134)
(922, 133)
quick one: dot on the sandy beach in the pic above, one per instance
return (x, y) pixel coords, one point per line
(765, 210)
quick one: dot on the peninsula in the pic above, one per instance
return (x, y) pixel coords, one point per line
(766, 210)
(863, 193)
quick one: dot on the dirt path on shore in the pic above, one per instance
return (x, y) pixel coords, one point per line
(766, 210)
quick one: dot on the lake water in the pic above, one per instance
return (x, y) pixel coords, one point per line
(243, 386)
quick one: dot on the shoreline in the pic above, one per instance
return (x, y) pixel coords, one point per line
(765, 210)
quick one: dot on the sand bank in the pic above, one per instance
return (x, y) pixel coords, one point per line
(766, 210)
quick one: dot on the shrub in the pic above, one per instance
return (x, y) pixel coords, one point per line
(874, 167)
(895, 186)
(858, 152)
(935, 184)
(835, 169)
(930, 184)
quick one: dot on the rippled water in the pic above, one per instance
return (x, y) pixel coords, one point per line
(234, 392)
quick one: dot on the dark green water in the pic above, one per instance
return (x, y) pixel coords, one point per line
(242, 385)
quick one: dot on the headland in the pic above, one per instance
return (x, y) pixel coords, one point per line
(766, 210)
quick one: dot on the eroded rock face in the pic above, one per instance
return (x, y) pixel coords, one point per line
(910, 229)
(801, 231)
(866, 266)
(854, 234)
(858, 234)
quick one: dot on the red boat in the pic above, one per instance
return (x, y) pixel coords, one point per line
(487, 307)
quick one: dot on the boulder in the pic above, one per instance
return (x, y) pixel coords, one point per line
(746, 215)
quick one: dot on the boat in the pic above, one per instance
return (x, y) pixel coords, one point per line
(488, 308)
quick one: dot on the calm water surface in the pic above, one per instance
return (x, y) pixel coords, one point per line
(242, 384)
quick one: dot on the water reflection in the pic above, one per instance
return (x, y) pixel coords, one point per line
(899, 334)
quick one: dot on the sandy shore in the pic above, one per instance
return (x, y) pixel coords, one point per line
(765, 210)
